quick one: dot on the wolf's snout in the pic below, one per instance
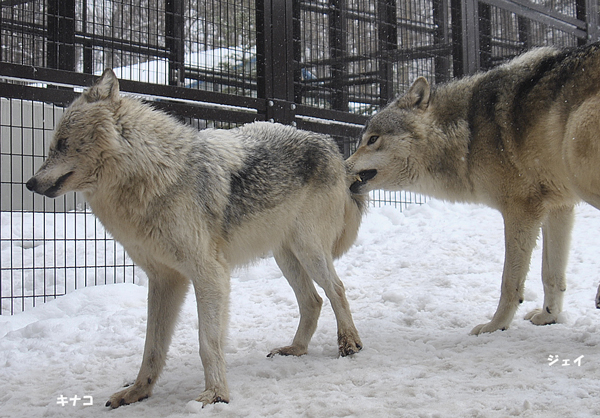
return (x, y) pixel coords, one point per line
(362, 179)
(52, 190)
(31, 184)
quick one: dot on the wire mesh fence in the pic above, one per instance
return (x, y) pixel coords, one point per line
(323, 65)
(49, 247)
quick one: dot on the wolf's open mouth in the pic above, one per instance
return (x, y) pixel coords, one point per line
(361, 179)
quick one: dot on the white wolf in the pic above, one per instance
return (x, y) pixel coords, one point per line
(521, 138)
(188, 206)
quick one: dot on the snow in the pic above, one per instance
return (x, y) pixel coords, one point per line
(417, 281)
(155, 71)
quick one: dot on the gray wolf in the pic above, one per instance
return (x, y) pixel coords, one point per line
(189, 206)
(521, 138)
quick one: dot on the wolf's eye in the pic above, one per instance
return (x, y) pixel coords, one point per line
(372, 140)
(61, 144)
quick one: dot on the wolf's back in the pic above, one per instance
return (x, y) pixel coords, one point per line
(320, 163)
(279, 161)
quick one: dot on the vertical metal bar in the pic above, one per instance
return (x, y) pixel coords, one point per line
(441, 38)
(263, 49)
(87, 45)
(338, 29)
(387, 33)
(580, 13)
(275, 58)
(174, 39)
(458, 57)
(465, 37)
(61, 34)
(587, 11)
(472, 35)
(282, 59)
(297, 51)
(52, 34)
(592, 20)
(2, 58)
(524, 28)
(485, 36)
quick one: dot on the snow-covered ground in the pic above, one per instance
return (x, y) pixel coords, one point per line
(417, 282)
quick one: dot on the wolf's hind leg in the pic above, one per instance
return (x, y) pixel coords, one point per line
(520, 232)
(319, 266)
(556, 233)
(309, 302)
(166, 291)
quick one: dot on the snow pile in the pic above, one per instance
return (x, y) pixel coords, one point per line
(417, 283)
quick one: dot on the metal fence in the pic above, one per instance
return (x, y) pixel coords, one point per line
(322, 65)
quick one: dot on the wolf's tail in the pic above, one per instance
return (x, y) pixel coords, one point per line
(355, 206)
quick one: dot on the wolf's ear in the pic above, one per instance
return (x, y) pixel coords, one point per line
(419, 93)
(106, 88)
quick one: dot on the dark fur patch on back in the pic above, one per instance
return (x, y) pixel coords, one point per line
(252, 187)
(482, 111)
(522, 94)
(204, 173)
(272, 172)
(555, 76)
(485, 96)
(525, 92)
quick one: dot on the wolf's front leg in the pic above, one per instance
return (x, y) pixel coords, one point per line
(166, 291)
(556, 233)
(520, 233)
(212, 299)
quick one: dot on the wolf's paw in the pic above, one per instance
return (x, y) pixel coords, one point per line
(210, 396)
(541, 317)
(349, 344)
(489, 327)
(289, 350)
(133, 393)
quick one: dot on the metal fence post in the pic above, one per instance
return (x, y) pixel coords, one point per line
(524, 28)
(441, 38)
(275, 58)
(465, 37)
(87, 45)
(338, 31)
(587, 11)
(61, 35)
(174, 25)
(297, 52)
(388, 43)
(485, 36)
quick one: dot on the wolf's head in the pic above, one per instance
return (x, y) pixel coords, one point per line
(387, 156)
(82, 141)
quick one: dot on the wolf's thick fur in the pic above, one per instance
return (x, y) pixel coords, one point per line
(188, 206)
(521, 138)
